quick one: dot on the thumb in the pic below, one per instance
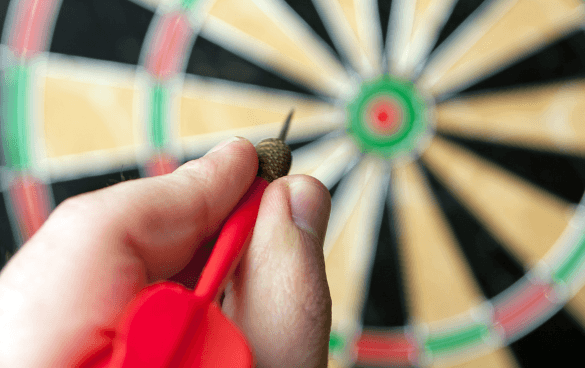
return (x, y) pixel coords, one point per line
(279, 296)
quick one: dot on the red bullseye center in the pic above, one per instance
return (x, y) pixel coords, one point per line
(385, 116)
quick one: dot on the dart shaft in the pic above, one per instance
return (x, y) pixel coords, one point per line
(233, 239)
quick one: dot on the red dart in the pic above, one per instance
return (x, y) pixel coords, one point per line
(168, 325)
(171, 326)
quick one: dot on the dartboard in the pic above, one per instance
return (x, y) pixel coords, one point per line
(449, 133)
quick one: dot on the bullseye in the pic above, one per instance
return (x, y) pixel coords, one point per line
(388, 117)
(385, 116)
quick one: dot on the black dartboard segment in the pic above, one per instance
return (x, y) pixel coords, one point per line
(561, 61)
(461, 12)
(3, 10)
(306, 10)
(210, 60)
(7, 243)
(385, 304)
(558, 174)
(69, 188)
(384, 9)
(112, 30)
(494, 269)
(557, 341)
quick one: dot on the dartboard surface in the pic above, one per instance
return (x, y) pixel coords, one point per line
(449, 133)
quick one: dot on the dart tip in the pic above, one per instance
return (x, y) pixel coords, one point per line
(284, 130)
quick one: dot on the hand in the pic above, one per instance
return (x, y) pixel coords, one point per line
(70, 283)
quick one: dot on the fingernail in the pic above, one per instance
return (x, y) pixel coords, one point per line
(310, 206)
(223, 144)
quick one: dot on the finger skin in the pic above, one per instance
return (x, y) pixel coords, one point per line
(67, 287)
(279, 296)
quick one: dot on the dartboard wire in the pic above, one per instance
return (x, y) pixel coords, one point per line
(574, 245)
(470, 53)
(327, 159)
(369, 32)
(544, 310)
(88, 70)
(197, 145)
(297, 55)
(351, 243)
(92, 78)
(365, 26)
(248, 48)
(37, 192)
(239, 43)
(17, 203)
(223, 108)
(427, 243)
(425, 36)
(154, 37)
(525, 218)
(29, 103)
(345, 38)
(547, 117)
(514, 312)
(379, 189)
(385, 347)
(25, 53)
(99, 93)
(151, 5)
(169, 39)
(550, 211)
(460, 41)
(345, 199)
(300, 31)
(412, 37)
(335, 213)
(487, 348)
(565, 262)
(38, 15)
(399, 31)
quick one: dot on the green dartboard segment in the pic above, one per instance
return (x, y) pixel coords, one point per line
(15, 130)
(336, 342)
(158, 113)
(472, 335)
(187, 4)
(387, 117)
(571, 265)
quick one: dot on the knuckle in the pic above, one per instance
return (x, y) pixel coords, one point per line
(204, 172)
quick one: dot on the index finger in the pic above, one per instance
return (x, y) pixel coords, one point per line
(97, 250)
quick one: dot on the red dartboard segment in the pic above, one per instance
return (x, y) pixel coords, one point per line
(169, 45)
(390, 349)
(161, 164)
(31, 24)
(31, 204)
(517, 313)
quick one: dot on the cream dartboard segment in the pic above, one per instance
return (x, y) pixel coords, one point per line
(449, 133)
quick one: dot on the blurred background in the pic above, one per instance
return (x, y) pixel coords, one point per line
(89, 32)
